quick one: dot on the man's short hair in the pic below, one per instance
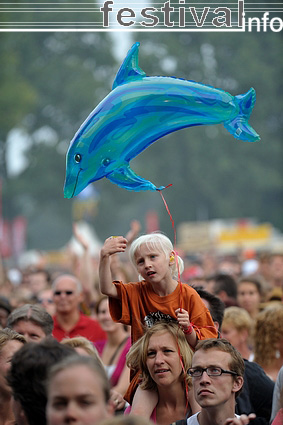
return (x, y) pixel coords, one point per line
(224, 282)
(216, 306)
(34, 313)
(70, 277)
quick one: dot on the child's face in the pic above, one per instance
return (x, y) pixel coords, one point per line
(152, 264)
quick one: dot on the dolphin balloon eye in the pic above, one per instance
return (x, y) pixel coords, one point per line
(78, 158)
(106, 161)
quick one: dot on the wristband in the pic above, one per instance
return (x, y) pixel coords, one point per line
(189, 330)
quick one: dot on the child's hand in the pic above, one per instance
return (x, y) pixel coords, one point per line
(113, 245)
(183, 318)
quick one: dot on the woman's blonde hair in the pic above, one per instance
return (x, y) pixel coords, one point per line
(239, 318)
(268, 332)
(82, 342)
(8, 334)
(160, 242)
(137, 355)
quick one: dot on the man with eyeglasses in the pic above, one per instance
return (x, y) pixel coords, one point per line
(217, 374)
(69, 321)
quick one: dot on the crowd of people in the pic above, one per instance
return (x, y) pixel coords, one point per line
(143, 336)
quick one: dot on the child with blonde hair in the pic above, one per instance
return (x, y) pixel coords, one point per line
(159, 295)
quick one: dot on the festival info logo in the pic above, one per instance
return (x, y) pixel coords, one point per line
(133, 15)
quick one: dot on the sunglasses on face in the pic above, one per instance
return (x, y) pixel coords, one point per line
(63, 292)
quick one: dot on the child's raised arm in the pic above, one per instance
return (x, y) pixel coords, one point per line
(111, 246)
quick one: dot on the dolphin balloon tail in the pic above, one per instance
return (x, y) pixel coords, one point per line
(239, 126)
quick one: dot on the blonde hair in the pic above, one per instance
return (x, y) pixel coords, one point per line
(81, 342)
(160, 242)
(8, 334)
(239, 318)
(137, 355)
(267, 333)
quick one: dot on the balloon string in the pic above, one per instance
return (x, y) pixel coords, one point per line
(181, 296)
(175, 239)
(185, 380)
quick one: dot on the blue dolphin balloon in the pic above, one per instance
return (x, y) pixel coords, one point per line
(138, 111)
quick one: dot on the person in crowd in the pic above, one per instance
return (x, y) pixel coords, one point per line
(32, 321)
(278, 420)
(78, 392)
(217, 373)
(38, 280)
(253, 398)
(10, 342)
(163, 357)
(277, 401)
(230, 265)
(237, 328)
(215, 306)
(114, 348)
(81, 345)
(250, 295)
(86, 348)
(45, 299)
(268, 339)
(69, 321)
(159, 295)
(224, 286)
(27, 377)
(276, 270)
(5, 310)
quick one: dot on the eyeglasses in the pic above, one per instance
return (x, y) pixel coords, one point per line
(196, 372)
(63, 292)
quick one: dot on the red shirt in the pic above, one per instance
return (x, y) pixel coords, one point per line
(87, 327)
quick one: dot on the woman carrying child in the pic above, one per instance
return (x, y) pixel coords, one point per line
(158, 296)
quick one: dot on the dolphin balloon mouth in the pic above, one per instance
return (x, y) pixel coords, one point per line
(69, 188)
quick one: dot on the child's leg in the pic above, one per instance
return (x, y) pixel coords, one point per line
(144, 402)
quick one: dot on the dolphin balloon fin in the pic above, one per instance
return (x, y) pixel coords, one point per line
(129, 70)
(125, 177)
(239, 126)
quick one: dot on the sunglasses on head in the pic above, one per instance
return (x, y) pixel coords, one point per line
(63, 292)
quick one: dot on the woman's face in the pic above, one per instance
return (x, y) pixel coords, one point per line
(230, 333)
(104, 317)
(6, 354)
(248, 296)
(76, 396)
(163, 360)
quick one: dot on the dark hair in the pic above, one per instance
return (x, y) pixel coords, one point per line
(224, 282)
(5, 304)
(256, 282)
(28, 373)
(216, 306)
(34, 313)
